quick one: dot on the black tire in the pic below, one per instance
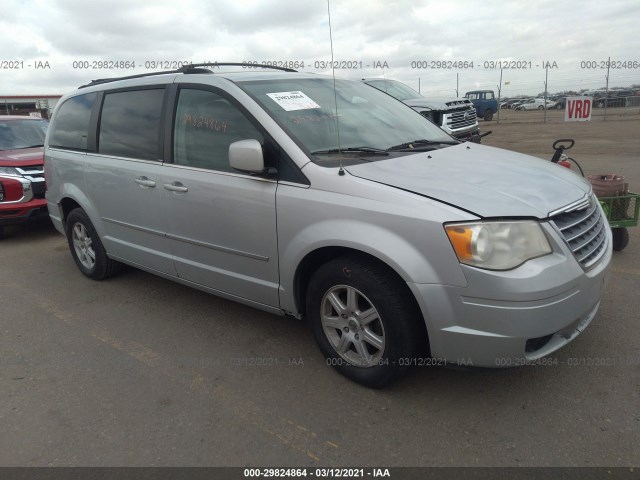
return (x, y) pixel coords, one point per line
(488, 115)
(395, 323)
(1, 232)
(540, 107)
(559, 106)
(620, 238)
(88, 247)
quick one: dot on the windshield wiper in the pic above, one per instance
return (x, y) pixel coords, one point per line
(351, 149)
(418, 143)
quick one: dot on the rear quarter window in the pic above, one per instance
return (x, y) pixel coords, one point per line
(70, 128)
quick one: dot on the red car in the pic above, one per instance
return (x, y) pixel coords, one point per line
(22, 186)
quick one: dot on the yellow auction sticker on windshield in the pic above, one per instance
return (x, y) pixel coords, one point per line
(291, 101)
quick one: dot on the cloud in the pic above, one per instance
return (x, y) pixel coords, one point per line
(397, 31)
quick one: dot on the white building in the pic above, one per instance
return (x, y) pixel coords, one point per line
(25, 104)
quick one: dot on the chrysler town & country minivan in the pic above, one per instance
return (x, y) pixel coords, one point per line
(333, 202)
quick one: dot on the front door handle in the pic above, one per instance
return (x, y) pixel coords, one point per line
(175, 187)
(145, 182)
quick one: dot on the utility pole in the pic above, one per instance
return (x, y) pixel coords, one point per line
(546, 79)
(499, 93)
(606, 90)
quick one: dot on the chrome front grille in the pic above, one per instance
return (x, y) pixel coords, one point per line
(35, 173)
(585, 232)
(460, 118)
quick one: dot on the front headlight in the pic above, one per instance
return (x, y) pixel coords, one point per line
(497, 245)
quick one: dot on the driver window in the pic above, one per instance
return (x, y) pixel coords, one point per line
(205, 125)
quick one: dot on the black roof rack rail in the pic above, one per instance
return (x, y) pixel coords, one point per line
(189, 68)
(128, 77)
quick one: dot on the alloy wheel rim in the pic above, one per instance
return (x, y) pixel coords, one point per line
(353, 326)
(83, 246)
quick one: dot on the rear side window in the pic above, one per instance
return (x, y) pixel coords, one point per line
(70, 127)
(130, 124)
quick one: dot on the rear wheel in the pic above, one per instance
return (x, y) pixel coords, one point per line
(366, 322)
(87, 249)
(540, 107)
(488, 115)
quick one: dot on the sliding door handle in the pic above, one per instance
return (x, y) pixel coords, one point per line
(175, 187)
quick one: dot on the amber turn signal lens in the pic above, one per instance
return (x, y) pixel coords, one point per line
(461, 240)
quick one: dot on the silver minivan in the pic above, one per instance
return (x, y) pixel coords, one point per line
(329, 200)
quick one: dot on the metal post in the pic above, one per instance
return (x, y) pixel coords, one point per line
(457, 95)
(546, 78)
(6, 106)
(499, 93)
(418, 84)
(606, 91)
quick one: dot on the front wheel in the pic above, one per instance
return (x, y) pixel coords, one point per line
(86, 248)
(540, 107)
(620, 238)
(365, 320)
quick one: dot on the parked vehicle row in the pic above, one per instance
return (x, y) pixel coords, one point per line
(618, 97)
(328, 200)
(614, 98)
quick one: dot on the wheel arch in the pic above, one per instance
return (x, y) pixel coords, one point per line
(318, 257)
(68, 204)
(72, 197)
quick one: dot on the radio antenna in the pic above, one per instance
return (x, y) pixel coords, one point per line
(335, 95)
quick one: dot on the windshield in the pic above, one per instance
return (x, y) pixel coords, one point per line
(367, 118)
(394, 88)
(22, 133)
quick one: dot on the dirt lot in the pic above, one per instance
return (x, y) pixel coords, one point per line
(611, 146)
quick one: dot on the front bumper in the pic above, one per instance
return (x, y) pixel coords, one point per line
(512, 317)
(471, 134)
(13, 213)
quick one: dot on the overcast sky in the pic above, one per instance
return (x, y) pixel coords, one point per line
(410, 36)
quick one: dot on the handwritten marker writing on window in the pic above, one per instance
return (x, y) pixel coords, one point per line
(200, 121)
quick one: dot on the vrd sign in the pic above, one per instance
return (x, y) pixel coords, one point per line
(578, 109)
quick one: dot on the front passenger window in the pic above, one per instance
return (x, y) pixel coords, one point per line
(205, 125)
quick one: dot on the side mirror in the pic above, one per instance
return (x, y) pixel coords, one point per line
(246, 156)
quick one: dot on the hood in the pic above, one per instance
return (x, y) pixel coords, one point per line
(435, 103)
(23, 157)
(486, 181)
